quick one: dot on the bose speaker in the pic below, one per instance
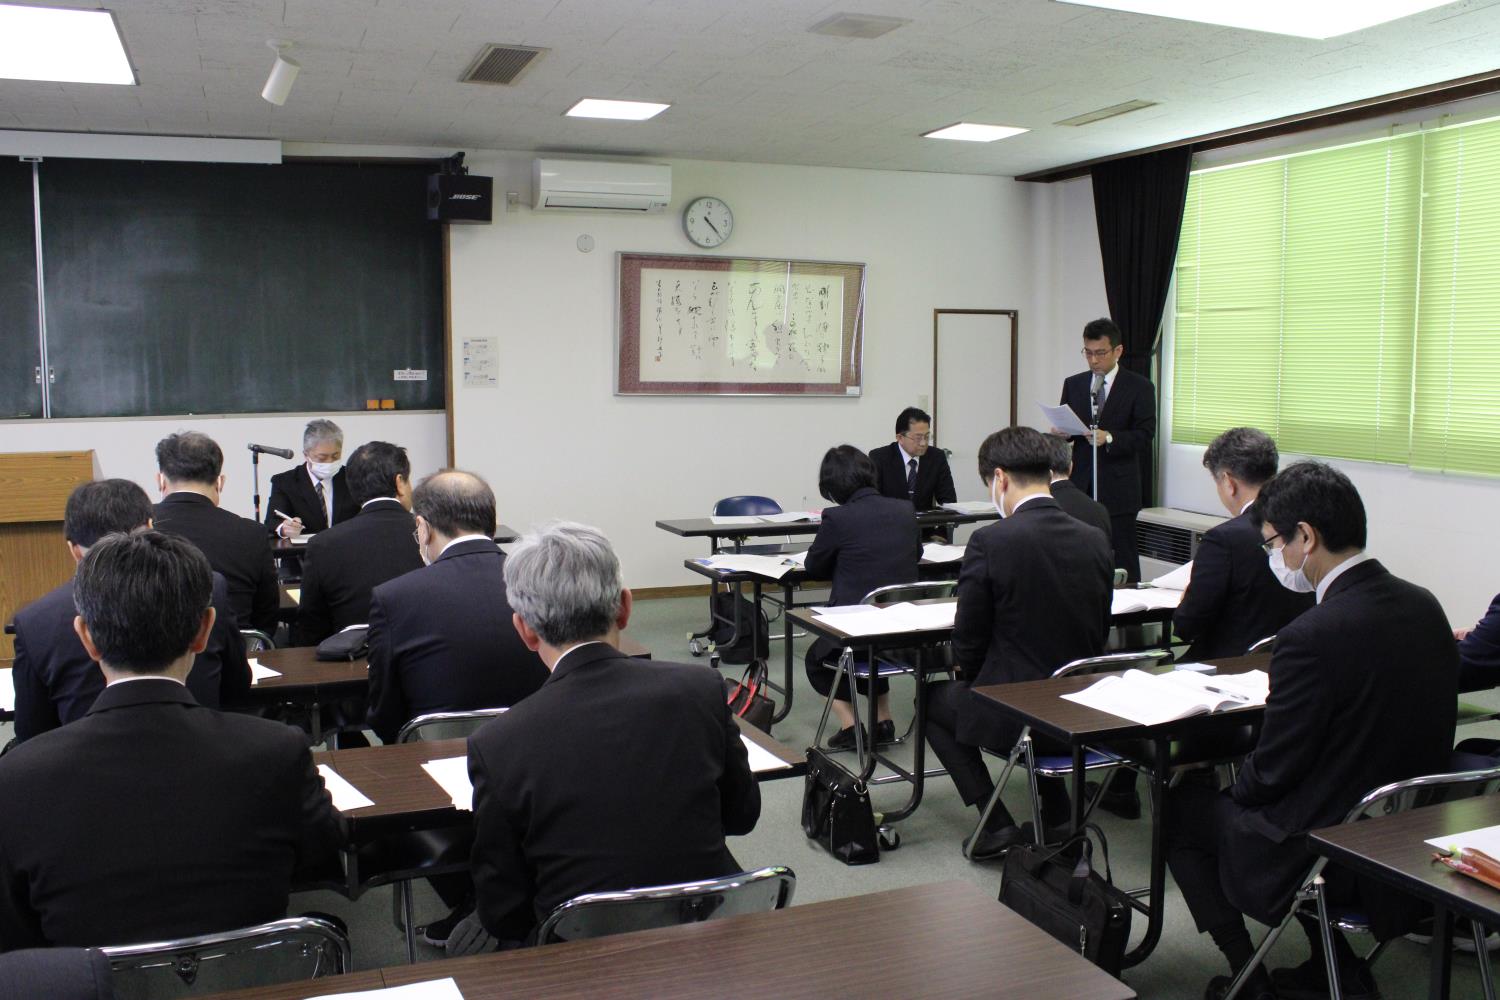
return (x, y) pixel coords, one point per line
(460, 198)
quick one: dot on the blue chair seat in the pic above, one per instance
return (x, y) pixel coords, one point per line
(1060, 762)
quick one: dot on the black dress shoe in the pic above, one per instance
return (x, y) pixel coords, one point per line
(1259, 988)
(844, 739)
(437, 932)
(1309, 981)
(1126, 804)
(992, 844)
(885, 732)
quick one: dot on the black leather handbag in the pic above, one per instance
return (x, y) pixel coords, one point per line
(1059, 890)
(350, 644)
(836, 811)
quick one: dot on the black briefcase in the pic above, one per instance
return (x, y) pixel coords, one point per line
(1058, 890)
(350, 644)
(836, 811)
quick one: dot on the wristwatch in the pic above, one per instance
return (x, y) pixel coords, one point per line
(1109, 438)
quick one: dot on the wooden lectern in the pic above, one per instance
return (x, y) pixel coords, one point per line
(34, 489)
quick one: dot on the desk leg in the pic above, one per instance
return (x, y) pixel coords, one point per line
(1158, 885)
(316, 723)
(1078, 792)
(1440, 954)
(786, 641)
(713, 546)
(867, 759)
(918, 750)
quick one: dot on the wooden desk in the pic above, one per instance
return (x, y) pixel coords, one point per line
(34, 490)
(1391, 849)
(1040, 705)
(704, 527)
(954, 940)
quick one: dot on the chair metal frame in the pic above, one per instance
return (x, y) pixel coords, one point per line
(1048, 767)
(184, 955)
(1396, 797)
(412, 731)
(255, 635)
(1266, 644)
(684, 891)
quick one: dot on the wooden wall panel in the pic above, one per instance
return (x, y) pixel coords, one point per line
(35, 485)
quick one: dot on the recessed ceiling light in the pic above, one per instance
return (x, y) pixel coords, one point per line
(1281, 17)
(60, 45)
(972, 132)
(630, 111)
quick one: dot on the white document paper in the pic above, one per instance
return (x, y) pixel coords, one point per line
(773, 567)
(868, 620)
(260, 672)
(922, 616)
(1178, 579)
(864, 619)
(1152, 699)
(452, 773)
(1486, 839)
(1063, 418)
(735, 519)
(295, 593)
(798, 559)
(937, 552)
(762, 759)
(300, 539)
(970, 507)
(7, 690)
(1124, 602)
(345, 796)
(433, 989)
(790, 517)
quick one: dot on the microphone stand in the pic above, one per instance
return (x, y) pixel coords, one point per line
(1094, 434)
(255, 475)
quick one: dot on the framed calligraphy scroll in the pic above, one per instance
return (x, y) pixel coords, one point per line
(738, 326)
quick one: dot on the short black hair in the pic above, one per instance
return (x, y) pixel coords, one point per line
(1062, 454)
(845, 469)
(104, 507)
(1099, 329)
(1246, 453)
(373, 468)
(189, 457)
(1023, 452)
(911, 415)
(1318, 494)
(455, 503)
(142, 596)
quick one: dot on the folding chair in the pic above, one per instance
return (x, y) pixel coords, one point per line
(1061, 765)
(277, 952)
(597, 914)
(1396, 797)
(257, 641)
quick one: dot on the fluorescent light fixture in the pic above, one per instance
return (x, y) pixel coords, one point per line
(62, 46)
(974, 132)
(627, 111)
(1280, 17)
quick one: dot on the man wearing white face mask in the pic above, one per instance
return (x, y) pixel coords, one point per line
(1363, 693)
(1033, 594)
(190, 477)
(316, 494)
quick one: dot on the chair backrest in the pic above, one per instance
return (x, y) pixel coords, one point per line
(1425, 790)
(1266, 645)
(447, 725)
(1120, 578)
(898, 592)
(1112, 661)
(257, 641)
(281, 951)
(731, 506)
(597, 914)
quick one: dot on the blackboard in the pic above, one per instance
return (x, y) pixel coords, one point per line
(20, 395)
(176, 288)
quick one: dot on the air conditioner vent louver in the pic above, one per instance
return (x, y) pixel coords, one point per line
(501, 64)
(1169, 535)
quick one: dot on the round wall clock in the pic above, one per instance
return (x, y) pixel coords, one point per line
(707, 221)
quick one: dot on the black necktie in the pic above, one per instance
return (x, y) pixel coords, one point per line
(1103, 393)
(911, 476)
(323, 500)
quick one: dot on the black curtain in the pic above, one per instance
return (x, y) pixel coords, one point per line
(1138, 205)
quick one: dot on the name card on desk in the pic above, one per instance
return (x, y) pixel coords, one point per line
(435, 989)
(345, 796)
(452, 775)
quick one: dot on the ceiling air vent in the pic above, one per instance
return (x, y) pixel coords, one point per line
(1113, 111)
(501, 63)
(858, 25)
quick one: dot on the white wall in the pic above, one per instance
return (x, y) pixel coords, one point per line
(556, 442)
(126, 448)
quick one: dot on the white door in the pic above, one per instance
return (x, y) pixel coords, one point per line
(973, 382)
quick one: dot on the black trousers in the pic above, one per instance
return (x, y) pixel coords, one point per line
(1194, 814)
(822, 657)
(965, 763)
(1122, 538)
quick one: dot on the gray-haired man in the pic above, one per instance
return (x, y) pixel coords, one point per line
(316, 494)
(617, 773)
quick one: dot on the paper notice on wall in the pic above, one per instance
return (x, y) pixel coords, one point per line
(481, 363)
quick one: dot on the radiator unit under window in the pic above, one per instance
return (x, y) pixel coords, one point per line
(1167, 537)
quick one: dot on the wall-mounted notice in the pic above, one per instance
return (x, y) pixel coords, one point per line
(481, 363)
(730, 325)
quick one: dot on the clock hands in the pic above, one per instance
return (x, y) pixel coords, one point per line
(709, 222)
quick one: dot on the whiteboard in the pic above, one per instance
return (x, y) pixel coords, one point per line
(727, 325)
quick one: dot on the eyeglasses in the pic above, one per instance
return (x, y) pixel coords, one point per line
(1101, 353)
(1269, 545)
(918, 438)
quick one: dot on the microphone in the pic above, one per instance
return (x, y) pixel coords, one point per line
(1094, 387)
(262, 449)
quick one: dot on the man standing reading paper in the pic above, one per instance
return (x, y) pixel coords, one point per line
(1120, 406)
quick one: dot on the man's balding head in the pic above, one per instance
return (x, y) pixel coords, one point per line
(455, 503)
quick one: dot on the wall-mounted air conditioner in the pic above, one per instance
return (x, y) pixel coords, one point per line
(599, 185)
(1167, 537)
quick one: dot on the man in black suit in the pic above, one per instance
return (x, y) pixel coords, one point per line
(1479, 651)
(618, 773)
(1033, 594)
(1363, 692)
(909, 468)
(153, 817)
(1124, 427)
(190, 478)
(55, 679)
(315, 494)
(1233, 600)
(344, 563)
(441, 638)
(1067, 494)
